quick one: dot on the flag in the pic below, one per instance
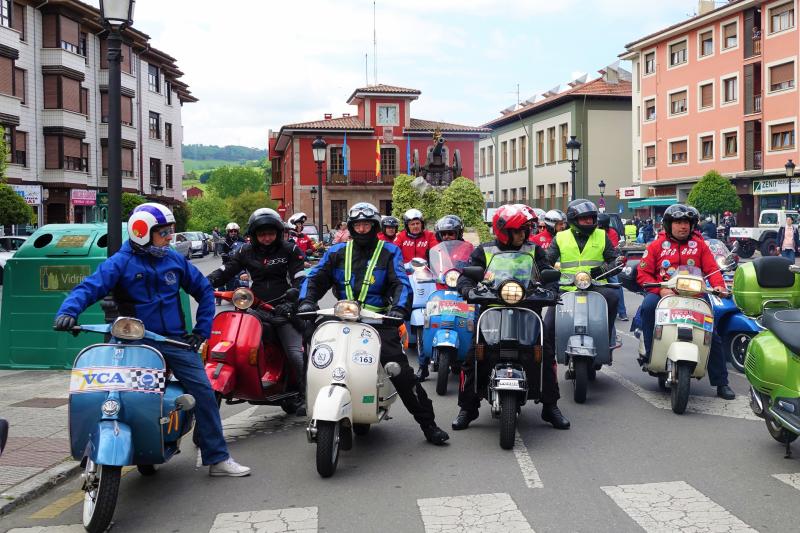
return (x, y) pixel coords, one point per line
(377, 158)
(344, 155)
(408, 155)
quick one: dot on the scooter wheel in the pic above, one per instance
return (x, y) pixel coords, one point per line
(100, 496)
(581, 383)
(680, 389)
(147, 470)
(327, 448)
(508, 419)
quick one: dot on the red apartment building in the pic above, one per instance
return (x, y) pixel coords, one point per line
(718, 91)
(383, 115)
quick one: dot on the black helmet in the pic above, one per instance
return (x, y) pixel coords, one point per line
(680, 212)
(265, 218)
(449, 223)
(389, 222)
(363, 211)
(603, 221)
(553, 217)
(582, 208)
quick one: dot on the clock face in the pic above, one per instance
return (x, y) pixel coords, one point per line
(387, 115)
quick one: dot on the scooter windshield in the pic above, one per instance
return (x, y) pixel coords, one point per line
(421, 273)
(718, 248)
(449, 255)
(685, 270)
(509, 265)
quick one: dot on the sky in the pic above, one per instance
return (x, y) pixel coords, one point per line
(256, 65)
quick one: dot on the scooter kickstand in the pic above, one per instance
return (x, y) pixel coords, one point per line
(788, 449)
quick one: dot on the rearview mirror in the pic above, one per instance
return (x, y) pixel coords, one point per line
(418, 262)
(735, 247)
(475, 273)
(549, 276)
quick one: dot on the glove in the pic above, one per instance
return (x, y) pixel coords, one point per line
(194, 340)
(396, 313)
(285, 309)
(597, 271)
(65, 323)
(307, 307)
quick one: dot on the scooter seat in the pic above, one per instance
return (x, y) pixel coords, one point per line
(784, 324)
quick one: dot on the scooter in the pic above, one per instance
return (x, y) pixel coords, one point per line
(682, 336)
(449, 320)
(423, 284)
(124, 409)
(582, 341)
(346, 386)
(510, 333)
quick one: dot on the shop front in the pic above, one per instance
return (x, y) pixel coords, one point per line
(774, 193)
(652, 207)
(82, 201)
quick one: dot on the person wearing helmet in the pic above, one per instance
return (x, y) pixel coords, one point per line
(274, 266)
(449, 228)
(146, 276)
(604, 223)
(728, 221)
(389, 227)
(414, 240)
(676, 246)
(709, 229)
(232, 240)
(511, 226)
(303, 241)
(345, 268)
(554, 221)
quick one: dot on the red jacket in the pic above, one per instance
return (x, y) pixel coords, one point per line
(382, 236)
(663, 255)
(613, 236)
(415, 247)
(304, 242)
(542, 239)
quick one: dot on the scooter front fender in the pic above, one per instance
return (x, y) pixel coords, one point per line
(333, 403)
(683, 351)
(445, 338)
(112, 444)
(222, 377)
(417, 317)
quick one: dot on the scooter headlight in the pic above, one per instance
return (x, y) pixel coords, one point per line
(583, 280)
(347, 310)
(129, 329)
(512, 292)
(691, 285)
(451, 278)
(110, 407)
(242, 298)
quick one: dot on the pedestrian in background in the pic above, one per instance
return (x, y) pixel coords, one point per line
(341, 234)
(788, 239)
(215, 238)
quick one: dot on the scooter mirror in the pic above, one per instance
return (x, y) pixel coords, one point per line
(418, 262)
(549, 276)
(735, 247)
(184, 402)
(292, 295)
(475, 273)
(4, 434)
(392, 368)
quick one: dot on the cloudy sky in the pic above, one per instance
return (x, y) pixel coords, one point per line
(256, 65)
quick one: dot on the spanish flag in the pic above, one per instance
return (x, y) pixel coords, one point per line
(377, 159)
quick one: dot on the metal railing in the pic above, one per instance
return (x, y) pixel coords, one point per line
(360, 177)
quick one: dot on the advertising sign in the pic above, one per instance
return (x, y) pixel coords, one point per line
(83, 197)
(31, 193)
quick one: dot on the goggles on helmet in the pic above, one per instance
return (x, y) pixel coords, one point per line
(367, 212)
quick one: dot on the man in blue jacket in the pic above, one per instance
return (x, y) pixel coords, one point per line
(146, 276)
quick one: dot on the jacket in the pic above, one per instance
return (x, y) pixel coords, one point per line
(541, 239)
(382, 236)
(782, 232)
(709, 230)
(665, 254)
(304, 242)
(228, 246)
(478, 258)
(147, 288)
(389, 287)
(613, 236)
(273, 269)
(415, 246)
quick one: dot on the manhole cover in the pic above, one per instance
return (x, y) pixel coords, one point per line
(45, 403)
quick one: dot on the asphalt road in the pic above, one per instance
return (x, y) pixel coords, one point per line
(627, 464)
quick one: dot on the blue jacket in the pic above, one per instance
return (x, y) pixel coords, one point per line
(148, 288)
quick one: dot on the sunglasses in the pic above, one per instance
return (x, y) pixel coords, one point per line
(542, 226)
(166, 232)
(448, 233)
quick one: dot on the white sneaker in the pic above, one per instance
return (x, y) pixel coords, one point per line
(228, 467)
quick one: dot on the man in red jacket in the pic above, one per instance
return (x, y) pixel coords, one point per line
(415, 240)
(679, 245)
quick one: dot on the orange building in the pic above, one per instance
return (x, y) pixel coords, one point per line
(717, 91)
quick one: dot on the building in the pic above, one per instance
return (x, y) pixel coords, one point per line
(194, 192)
(382, 122)
(717, 91)
(524, 160)
(53, 106)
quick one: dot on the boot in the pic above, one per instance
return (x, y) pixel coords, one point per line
(435, 435)
(422, 373)
(551, 413)
(463, 419)
(725, 392)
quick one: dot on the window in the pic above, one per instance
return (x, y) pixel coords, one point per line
(490, 159)
(551, 189)
(338, 210)
(168, 135)
(781, 77)
(155, 125)
(540, 193)
(781, 18)
(729, 90)
(706, 43)
(782, 136)
(127, 162)
(649, 63)
(677, 103)
(17, 18)
(5, 13)
(19, 84)
(483, 161)
(650, 109)
(504, 196)
(523, 194)
(504, 156)
(513, 154)
(707, 95)
(564, 130)
(84, 101)
(61, 92)
(731, 144)
(523, 152)
(155, 172)
(69, 33)
(153, 78)
(388, 162)
(336, 161)
(82, 40)
(564, 194)
(6, 75)
(127, 59)
(168, 91)
(729, 36)
(67, 153)
(706, 147)
(126, 113)
(84, 157)
(551, 145)
(168, 175)
(513, 196)
(540, 147)
(16, 142)
(650, 155)
(678, 152)
(677, 53)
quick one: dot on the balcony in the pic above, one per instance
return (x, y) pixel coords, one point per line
(61, 118)
(128, 80)
(59, 175)
(10, 105)
(58, 57)
(9, 37)
(360, 178)
(128, 132)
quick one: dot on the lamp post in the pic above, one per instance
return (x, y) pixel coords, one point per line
(313, 208)
(573, 154)
(116, 15)
(789, 174)
(319, 147)
(602, 187)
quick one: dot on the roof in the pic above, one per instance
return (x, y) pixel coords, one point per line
(383, 89)
(595, 88)
(341, 123)
(430, 125)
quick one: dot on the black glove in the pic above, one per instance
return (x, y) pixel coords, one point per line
(286, 309)
(597, 271)
(307, 307)
(65, 323)
(194, 340)
(396, 313)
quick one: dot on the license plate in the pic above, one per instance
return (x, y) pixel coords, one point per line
(508, 383)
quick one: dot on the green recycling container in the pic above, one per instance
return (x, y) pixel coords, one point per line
(36, 280)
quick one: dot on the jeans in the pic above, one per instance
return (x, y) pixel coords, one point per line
(187, 366)
(788, 254)
(717, 366)
(621, 311)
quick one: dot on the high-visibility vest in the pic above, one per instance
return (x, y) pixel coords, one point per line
(573, 259)
(630, 232)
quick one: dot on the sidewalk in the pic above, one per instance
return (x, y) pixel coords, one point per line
(37, 454)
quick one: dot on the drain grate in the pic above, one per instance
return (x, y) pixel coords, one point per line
(43, 403)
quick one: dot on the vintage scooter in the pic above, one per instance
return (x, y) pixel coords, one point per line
(124, 409)
(510, 333)
(682, 336)
(423, 284)
(582, 341)
(449, 320)
(346, 386)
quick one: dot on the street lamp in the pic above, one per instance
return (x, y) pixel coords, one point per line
(789, 174)
(313, 208)
(573, 154)
(319, 147)
(116, 15)
(602, 187)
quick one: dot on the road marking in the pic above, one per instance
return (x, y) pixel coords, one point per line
(74, 528)
(529, 472)
(297, 519)
(57, 507)
(674, 506)
(793, 480)
(705, 405)
(478, 513)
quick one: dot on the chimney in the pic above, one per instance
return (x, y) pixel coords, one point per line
(704, 6)
(328, 116)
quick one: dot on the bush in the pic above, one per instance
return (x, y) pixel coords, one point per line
(13, 209)
(207, 212)
(182, 212)
(243, 206)
(714, 194)
(130, 201)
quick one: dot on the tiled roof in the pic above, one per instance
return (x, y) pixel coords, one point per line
(430, 125)
(382, 88)
(341, 123)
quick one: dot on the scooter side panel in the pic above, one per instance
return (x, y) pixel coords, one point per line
(771, 367)
(112, 444)
(582, 308)
(699, 316)
(417, 317)
(180, 422)
(243, 332)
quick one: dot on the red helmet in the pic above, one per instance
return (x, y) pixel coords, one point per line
(510, 217)
(728, 213)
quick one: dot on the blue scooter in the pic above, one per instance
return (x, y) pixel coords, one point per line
(123, 410)
(423, 284)
(449, 320)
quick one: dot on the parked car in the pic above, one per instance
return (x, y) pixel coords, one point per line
(764, 237)
(182, 245)
(5, 255)
(198, 242)
(12, 242)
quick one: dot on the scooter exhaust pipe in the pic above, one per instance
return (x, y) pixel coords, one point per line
(755, 402)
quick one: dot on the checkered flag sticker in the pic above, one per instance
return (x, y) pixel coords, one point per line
(148, 379)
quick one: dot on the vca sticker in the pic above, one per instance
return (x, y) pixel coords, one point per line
(105, 379)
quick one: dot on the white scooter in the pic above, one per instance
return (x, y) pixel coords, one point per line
(347, 388)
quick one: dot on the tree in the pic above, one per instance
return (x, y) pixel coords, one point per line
(182, 212)
(129, 202)
(207, 212)
(3, 155)
(13, 209)
(228, 182)
(404, 196)
(243, 206)
(205, 176)
(464, 198)
(714, 194)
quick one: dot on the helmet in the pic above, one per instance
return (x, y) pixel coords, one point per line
(679, 212)
(363, 211)
(232, 226)
(145, 218)
(603, 221)
(413, 214)
(552, 218)
(509, 217)
(265, 218)
(582, 208)
(389, 222)
(449, 223)
(298, 218)
(538, 213)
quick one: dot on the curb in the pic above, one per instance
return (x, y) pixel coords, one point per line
(37, 485)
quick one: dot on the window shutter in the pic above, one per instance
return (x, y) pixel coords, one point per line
(650, 151)
(127, 110)
(104, 107)
(6, 75)
(103, 53)
(19, 84)
(104, 159)
(679, 147)
(782, 73)
(21, 141)
(52, 158)
(707, 95)
(50, 91)
(18, 18)
(50, 31)
(126, 59)
(749, 144)
(127, 159)
(72, 147)
(677, 97)
(85, 101)
(782, 128)
(70, 30)
(71, 94)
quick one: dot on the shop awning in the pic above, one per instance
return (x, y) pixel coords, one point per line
(649, 202)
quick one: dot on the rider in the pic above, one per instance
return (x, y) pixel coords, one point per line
(680, 245)
(388, 291)
(303, 241)
(551, 223)
(414, 240)
(511, 226)
(146, 276)
(729, 221)
(232, 240)
(389, 227)
(449, 228)
(274, 266)
(604, 223)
